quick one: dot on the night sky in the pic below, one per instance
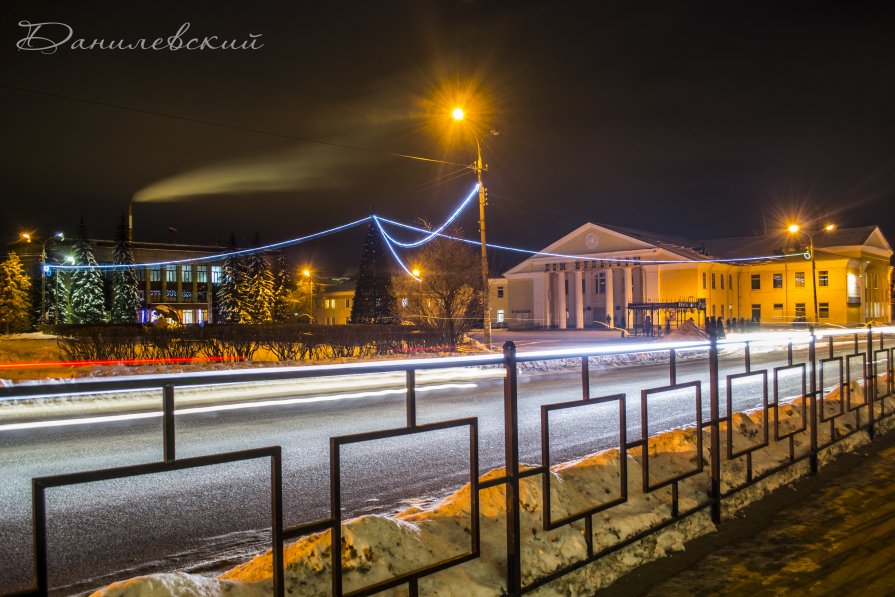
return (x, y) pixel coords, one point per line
(696, 119)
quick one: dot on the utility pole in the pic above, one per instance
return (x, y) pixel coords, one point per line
(486, 290)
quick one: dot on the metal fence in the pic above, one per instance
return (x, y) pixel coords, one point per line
(868, 355)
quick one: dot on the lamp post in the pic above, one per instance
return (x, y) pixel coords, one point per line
(795, 229)
(458, 114)
(43, 271)
(306, 272)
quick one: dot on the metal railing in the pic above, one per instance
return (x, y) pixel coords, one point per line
(870, 356)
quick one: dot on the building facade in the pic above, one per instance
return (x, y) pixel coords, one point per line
(600, 274)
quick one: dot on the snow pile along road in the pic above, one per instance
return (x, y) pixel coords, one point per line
(377, 548)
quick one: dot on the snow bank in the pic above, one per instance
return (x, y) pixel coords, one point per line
(376, 548)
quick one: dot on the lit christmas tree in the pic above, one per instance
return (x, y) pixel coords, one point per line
(125, 297)
(87, 300)
(259, 294)
(374, 299)
(283, 285)
(229, 293)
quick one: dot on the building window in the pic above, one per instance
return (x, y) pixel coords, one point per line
(187, 274)
(171, 273)
(703, 280)
(500, 292)
(142, 273)
(756, 313)
(601, 283)
(155, 273)
(202, 274)
(756, 281)
(216, 274)
(713, 281)
(778, 280)
(823, 310)
(187, 316)
(730, 281)
(722, 281)
(500, 316)
(800, 311)
(823, 278)
(800, 279)
(348, 303)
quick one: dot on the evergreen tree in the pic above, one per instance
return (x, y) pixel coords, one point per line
(15, 301)
(229, 293)
(125, 296)
(87, 297)
(283, 285)
(374, 299)
(258, 294)
(57, 296)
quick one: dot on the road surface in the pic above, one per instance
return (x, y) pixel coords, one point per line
(208, 519)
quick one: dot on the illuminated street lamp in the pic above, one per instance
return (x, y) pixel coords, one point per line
(307, 274)
(43, 270)
(458, 115)
(796, 229)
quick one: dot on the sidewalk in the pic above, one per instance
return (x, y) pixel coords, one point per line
(832, 534)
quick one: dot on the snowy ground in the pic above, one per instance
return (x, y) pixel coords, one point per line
(376, 547)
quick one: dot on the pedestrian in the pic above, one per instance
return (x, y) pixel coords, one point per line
(609, 320)
(719, 328)
(648, 325)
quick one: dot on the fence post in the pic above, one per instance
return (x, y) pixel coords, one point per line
(812, 399)
(871, 382)
(511, 451)
(715, 448)
(168, 422)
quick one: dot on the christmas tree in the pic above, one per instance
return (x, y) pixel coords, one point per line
(15, 301)
(374, 299)
(283, 285)
(125, 297)
(229, 293)
(87, 300)
(258, 288)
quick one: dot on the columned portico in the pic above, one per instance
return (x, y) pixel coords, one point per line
(579, 300)
(561, 300)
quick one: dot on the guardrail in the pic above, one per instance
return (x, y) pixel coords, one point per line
(871, 355)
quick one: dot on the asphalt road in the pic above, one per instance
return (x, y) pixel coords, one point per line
(209, 519)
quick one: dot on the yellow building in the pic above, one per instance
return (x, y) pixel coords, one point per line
(600, 273)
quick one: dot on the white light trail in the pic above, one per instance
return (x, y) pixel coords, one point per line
(226, 407)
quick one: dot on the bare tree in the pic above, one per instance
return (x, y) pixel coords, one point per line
(448, 296)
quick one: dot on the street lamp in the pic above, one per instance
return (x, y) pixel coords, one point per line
(306, 272)
(43, 270)
(796, 229)
(458, 115)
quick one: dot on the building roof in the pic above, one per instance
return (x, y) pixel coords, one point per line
(779, 243)
(679, 245)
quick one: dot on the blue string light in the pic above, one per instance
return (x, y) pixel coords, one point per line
(430, 235)
(394, 253)
(218, 256)
(584, 258)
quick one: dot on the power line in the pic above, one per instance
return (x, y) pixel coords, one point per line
(229, 126)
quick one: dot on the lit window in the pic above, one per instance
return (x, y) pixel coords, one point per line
(800, 311)
(171, 273)
(823, 310)
(601, 283)
(778, 280)
(187, 274)
(756, 281)
(155, 273)
(202, 274)
(216, 274)
(823, 278)
(800, 279)
(500, 316)
(187, 316)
